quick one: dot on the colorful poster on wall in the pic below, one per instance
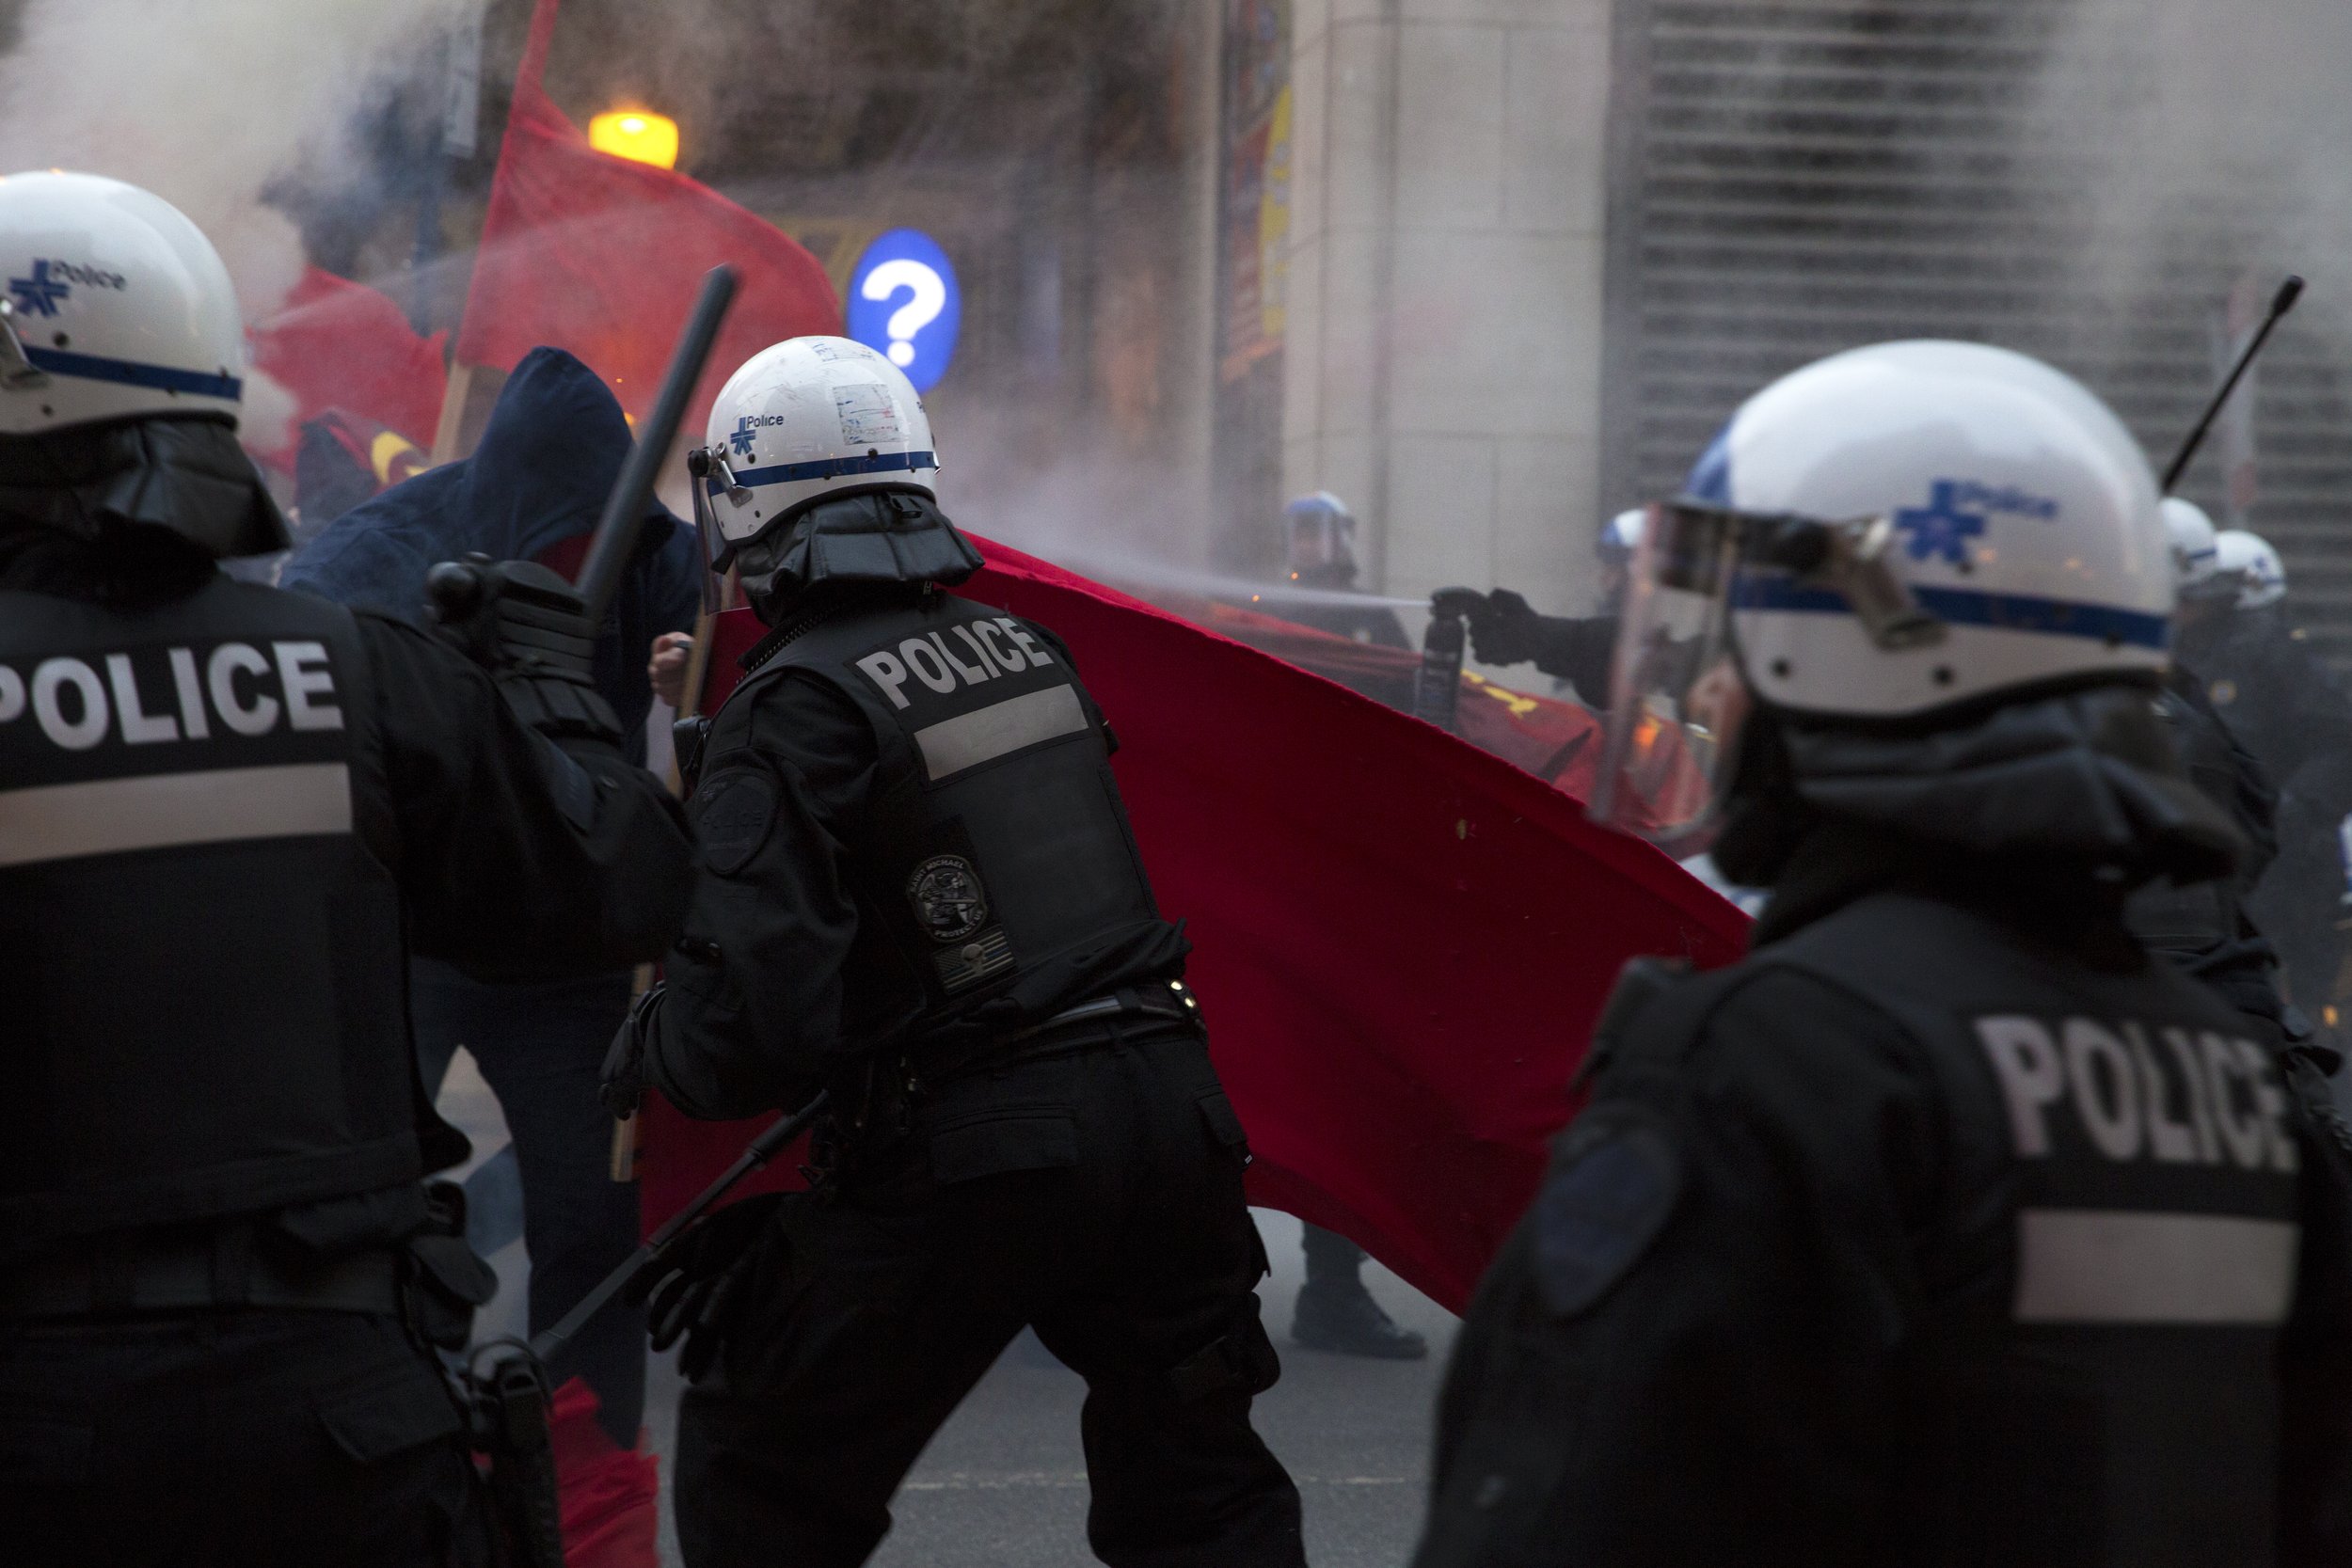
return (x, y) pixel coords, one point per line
(1256, 207)
(1274, 221)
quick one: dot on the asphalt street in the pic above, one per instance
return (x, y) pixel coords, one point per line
(1004, 1483)
(1003, 1486)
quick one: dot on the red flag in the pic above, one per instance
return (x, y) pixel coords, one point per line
(609, 1498)
(1400, 942)
(602, 256)
(1558, 742)
(340, 344)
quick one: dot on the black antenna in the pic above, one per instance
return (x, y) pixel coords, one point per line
(2289, 292)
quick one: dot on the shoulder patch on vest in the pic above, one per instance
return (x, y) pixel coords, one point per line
(1606, 1195)
(732, 816)
(948, 900)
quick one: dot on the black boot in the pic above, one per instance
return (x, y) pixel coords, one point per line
(1339, 1316)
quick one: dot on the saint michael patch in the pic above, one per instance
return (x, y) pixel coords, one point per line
(949, 902)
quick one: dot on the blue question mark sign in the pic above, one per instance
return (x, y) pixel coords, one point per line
(904, 303)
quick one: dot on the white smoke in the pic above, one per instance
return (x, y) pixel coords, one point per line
(2202, 119)
(207, 101)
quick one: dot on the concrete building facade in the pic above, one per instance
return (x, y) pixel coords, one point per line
(1442, 284)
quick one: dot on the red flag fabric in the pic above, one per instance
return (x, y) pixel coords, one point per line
(340, 344)
(1400, 942)
(608, 1498)
(603, 256)
(1558, 742)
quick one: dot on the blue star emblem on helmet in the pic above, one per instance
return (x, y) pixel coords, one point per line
(37, 296)
(742, 439)
(1941, 527)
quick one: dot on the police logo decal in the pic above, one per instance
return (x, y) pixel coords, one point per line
(947, 897)
(732, 816)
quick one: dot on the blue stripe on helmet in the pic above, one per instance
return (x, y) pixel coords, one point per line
(130, 372)
(1711, 477)
(1969, 606)
(831, 468)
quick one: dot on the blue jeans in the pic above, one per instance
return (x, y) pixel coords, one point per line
(540, 1047)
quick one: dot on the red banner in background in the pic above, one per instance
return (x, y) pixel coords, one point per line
(1401, 941)
(603, 256)
(340, 344)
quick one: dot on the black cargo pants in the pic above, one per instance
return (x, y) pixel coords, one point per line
(1095, 1192)
(230, 1439)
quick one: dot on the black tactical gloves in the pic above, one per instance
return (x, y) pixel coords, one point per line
(622, 1083)
(697, 1287)
(1504, 628)
(526, 627)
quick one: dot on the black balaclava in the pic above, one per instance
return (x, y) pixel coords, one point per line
(2079, 781)
(845, 539)
(180, 473)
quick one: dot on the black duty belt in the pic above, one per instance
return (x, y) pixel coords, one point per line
(1169, 999)
(1164, 1001)
(196, 1274)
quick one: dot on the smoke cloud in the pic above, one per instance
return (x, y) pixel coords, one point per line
(2211, 132)
(208, 102)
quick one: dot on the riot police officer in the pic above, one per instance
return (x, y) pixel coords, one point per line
(2264, 681)
(1505, 629)
(2202, 926)
(1319, 551)
(921, 894)
(1949, 1226)
(221, 805)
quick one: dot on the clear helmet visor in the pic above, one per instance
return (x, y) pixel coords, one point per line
(1322, 541)
(1676, 695)
(1678, 699)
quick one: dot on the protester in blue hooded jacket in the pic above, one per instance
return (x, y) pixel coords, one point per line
(547, 459)
(538, 482)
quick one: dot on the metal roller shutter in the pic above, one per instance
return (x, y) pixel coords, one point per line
(1790, 180)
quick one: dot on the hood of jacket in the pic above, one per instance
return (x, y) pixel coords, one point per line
(547, 459)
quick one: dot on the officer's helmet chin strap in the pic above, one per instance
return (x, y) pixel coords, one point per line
(700, 465)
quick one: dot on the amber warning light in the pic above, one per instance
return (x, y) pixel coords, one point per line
(638, 135)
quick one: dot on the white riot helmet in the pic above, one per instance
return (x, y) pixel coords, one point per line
(1885, 534)
(1620, 536)
(2247, 560)
(116, 306)
(1319, 541)
(2192, 535)
(121, 371)
(810, 418)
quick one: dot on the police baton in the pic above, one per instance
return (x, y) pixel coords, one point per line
(624, 518)
(763, 1148)
(2284, 301)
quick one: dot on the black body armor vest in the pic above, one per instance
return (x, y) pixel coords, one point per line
(2187, 924)
(2096, 1371)
(998, 881)
(201, 974)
